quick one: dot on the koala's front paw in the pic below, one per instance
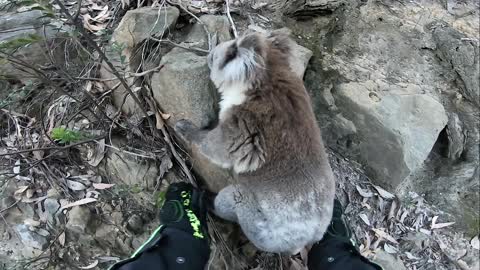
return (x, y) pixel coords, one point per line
(185, 130)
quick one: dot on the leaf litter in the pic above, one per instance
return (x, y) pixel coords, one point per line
(407, 228)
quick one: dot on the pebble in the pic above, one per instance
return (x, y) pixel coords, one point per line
(135, 223)
(30, 238)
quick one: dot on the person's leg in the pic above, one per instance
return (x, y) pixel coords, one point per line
(337, 250)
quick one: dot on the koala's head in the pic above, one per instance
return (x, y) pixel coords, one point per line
(244, 60)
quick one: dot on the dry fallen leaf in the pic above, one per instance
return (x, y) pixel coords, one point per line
(166, 116)
(125, 3)
(364, 217)
(61, 239)
(304, 255)
(436, 225)
(31, 222)
(97, 153)
(384, 235)
(364, 193)
(411, 256)
(90, 266)
(20, 190)
(102, 185)
(391, 212)
(75, 186)
(390, 249)
(383, 193)
(16, 168)
(475, 243)
(295, 265)
(78, 203)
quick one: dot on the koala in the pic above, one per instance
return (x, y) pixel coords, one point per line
(267, 134)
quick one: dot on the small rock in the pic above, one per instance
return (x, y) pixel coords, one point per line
(51, 207)
(249, 250)
(30, 238)
(106, 235)
(78, 219)
(117, 217)
(125, 169)
(135, 223)
(216, 25)
(7, 202)
(388, 261)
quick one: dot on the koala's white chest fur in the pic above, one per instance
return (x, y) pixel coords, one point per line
(232, 95)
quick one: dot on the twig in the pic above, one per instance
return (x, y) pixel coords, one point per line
(52, 148)
(209, 37)
(128, 152)
(232, 24)
(12, 205)
(102, 55)
(161, 125)
(141, 74)
(179, 45)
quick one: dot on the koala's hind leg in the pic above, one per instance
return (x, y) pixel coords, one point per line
(226, 202)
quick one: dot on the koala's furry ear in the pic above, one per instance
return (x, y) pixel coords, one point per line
(254, 42)
(280, 40)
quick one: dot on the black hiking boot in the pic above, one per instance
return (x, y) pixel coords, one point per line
(338, 248)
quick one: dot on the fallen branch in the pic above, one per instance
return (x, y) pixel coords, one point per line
(209, 37)
(161, 125)
(8, 207)
(52, 148)
(179, 45)
(104, 58)
(146, 72)
(232, 24)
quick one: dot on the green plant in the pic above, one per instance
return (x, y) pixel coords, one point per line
(66, 136)
(118, 49)
(15, 44)
(160, 198)
(15, 95)
(43, 5)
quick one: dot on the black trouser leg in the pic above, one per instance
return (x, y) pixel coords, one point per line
(338, 255)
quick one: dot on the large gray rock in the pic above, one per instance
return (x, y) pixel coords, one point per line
(139, 24)
(396, 95)
(136, 26)
(183, 88)
(462, 54)
(30, 25)
(397, 131)
(218, 27)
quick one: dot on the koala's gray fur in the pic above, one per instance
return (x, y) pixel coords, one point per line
(268, 135)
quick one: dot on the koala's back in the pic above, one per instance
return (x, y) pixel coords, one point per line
(289, 199)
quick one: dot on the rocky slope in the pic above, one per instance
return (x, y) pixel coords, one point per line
(395, 86)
